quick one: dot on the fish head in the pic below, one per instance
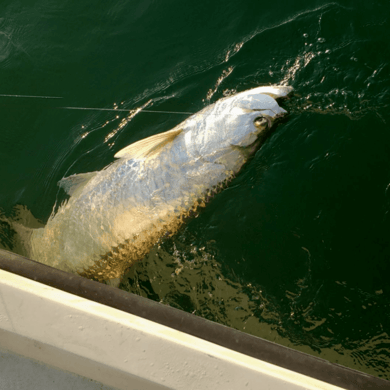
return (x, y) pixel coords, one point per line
(253, 114)
(241, 122)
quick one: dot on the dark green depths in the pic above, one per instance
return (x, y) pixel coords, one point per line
(296, 250)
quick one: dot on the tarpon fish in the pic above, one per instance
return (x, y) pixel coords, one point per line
(115, 216)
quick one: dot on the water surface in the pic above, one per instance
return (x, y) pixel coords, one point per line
(296, 250)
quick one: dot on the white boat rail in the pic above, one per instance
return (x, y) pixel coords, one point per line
(86, 329)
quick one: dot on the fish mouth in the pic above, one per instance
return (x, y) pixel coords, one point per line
(280, 115)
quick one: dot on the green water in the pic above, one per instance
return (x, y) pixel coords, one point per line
(296, 250)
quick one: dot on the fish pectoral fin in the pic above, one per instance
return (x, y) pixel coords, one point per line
(73, 183)
(149, 146)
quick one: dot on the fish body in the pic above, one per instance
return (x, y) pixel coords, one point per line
(115, 216)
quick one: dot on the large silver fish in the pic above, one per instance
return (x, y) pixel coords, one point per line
(114, 217)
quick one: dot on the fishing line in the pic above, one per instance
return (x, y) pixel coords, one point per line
(124, 110)
(31, 96)
(103, 109)
(140, 110)
(95, 108)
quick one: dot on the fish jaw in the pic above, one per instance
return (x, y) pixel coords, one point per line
(275, 91)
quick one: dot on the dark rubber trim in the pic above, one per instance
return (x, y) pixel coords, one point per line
(218, 334)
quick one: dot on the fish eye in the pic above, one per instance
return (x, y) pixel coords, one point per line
(260, 121)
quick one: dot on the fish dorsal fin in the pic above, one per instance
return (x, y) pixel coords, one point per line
(73, 183)
(149, 146)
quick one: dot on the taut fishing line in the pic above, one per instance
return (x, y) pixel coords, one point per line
(95, 108)
(105, 109)
(124, 110)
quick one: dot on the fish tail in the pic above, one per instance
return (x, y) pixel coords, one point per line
(16, 230)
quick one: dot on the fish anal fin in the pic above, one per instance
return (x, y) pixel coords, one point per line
(148, 147)
(73, 183)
